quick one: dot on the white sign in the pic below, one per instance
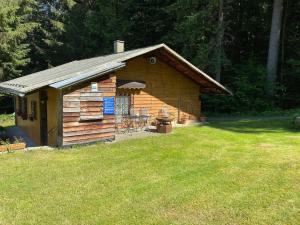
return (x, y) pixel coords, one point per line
(94, 87)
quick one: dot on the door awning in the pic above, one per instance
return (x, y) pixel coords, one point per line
(131, 84)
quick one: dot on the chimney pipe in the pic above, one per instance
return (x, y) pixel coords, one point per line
(118, 46)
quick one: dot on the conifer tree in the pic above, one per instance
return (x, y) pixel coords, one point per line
(15, 26)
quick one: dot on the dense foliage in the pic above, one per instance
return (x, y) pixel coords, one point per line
(225, 38)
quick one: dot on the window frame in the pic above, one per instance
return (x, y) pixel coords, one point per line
(24, 109)
(20, 102)
(33, 107)
(123, 104)
(94, 85)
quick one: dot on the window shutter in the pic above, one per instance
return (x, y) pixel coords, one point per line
(91, 106)
(33, 110)
(20, 107)
(24, 108)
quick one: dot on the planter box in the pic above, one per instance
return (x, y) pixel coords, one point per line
(12, 147)
(3, 148)
(203, 119)
(18, 146)
(183, 121)
(164, 128)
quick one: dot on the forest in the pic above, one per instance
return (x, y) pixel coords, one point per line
(251, 46)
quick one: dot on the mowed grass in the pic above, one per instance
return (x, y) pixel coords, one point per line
(245, 172)
(7, 120)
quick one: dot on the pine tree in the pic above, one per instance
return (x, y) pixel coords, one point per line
(146, 22)
(47, 39)
(199, 33)
(15, 26)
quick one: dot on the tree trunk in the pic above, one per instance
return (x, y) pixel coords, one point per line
(285, 16)
(220, 41)
(274, 44)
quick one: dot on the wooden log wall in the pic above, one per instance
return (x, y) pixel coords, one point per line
(83, 119)
(165, 88)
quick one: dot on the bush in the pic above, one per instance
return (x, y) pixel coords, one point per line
(247, 84)
(296, 120)
(2, 133)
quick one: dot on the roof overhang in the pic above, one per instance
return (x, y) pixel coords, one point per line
(215, 87)
(210, 86)
(79, 71)
(11, 88)
(10, 91)
(89, 75)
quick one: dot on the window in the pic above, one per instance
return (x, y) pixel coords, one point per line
(122, 104)
(19, 110)
(94, 87)
(33, 110)
(23, 107)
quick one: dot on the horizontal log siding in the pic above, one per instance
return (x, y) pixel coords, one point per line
(77, 131)
(165, 86)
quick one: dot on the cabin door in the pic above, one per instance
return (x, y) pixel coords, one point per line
(43, 117)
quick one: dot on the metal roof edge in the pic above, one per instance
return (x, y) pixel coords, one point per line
(84, 76)
(11, 91)
(112, 66)
(195, 68)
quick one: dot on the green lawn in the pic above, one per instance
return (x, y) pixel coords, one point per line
(7, 120)
(245, 172)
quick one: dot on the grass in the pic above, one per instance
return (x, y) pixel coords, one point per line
(269, 113)
(7, 120)
(245, 172)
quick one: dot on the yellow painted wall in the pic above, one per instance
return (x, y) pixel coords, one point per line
(165, 86)
(52, 116)
(32, 128)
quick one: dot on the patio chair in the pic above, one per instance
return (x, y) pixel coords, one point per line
(134, 116)
(119, 123)
(144, 118)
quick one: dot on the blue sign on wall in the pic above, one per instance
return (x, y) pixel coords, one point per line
(109, 105)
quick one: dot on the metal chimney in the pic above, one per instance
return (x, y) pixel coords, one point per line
(118, 46)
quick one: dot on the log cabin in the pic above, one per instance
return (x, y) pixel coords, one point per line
(84, 101)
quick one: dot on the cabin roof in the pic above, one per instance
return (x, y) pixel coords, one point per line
(82, 70)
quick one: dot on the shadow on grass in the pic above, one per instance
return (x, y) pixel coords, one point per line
(257, 126)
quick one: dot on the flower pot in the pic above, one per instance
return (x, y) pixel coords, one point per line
(3, 148)
(203, 119)
(183, 120)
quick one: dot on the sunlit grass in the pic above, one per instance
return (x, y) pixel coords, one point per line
(226, 173)
(7, 120)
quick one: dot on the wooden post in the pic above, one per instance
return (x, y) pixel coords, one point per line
(15, 110)
(179, 106)
(59, 138)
